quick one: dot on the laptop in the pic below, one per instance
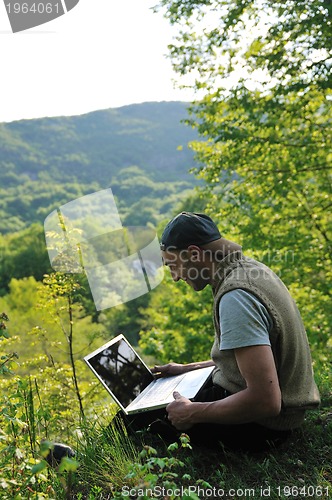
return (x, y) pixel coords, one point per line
(131, 383)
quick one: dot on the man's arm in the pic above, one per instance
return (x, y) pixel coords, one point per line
(178, 368)
(261, 398)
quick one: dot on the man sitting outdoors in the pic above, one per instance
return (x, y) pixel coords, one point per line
(263, 382)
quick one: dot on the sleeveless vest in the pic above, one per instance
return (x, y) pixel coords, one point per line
(288, 339)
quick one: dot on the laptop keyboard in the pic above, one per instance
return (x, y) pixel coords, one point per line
(165, 388)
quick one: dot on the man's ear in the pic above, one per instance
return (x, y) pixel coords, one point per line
(195, 253)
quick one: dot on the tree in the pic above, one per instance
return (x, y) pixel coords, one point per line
(265, 148)
(177, 325)
(23, 254)
(290, 41)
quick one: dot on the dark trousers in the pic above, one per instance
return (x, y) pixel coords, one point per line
(245, 437)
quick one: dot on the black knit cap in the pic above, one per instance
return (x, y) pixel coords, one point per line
(189, 228)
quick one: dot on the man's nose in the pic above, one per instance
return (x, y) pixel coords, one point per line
(175, 276)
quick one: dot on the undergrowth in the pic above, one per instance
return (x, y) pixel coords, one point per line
(110, 464)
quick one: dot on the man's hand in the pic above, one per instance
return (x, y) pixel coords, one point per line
(168, 370)
(179, 412)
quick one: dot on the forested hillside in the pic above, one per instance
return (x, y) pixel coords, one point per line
(139, 150)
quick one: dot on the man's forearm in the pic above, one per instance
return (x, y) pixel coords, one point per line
(238, 408)
(178, 368)
(199, 364)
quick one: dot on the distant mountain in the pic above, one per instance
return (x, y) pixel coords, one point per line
(140, 151)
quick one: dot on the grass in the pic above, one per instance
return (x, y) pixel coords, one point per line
(114, 465)
(300, 468)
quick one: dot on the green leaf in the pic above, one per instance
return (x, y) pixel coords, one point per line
(45, 447)
(68, 465)
(173, 447)
(39, 467)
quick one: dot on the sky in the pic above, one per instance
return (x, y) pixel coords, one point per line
(101, 54)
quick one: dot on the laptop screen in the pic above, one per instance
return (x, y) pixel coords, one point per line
(121, 370)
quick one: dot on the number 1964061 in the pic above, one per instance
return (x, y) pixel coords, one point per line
(35, 8)
(303, 491)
